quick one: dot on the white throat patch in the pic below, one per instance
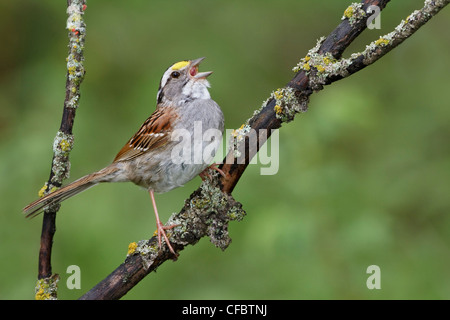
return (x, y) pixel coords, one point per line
(197, 89)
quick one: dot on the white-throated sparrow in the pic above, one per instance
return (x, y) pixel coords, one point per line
(175, 144)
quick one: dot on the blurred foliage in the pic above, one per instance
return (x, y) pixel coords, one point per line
(364, 175)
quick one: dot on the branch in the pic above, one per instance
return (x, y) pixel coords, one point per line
(62, 145)
(298, 89)
(327, 69)
(206, 212)
(321, 66)
(211, 207)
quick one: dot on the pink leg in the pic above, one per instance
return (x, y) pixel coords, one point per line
(205, 173)
(160, 227)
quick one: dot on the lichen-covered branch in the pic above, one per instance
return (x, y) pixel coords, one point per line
(324, 68)
(321, 66)
(62, 145)
(206, 213)
(281, 107)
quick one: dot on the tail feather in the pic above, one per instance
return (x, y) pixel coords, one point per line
(74, 188)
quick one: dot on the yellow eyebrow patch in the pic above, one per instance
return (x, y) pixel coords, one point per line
(180, 65)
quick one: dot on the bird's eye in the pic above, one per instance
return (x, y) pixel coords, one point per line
(175, 74)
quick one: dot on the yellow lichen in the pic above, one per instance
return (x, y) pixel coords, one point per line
(348, 13)
(382, 42)
(306, 67)
(132, 248)
(41, 295)
(65, 146)
(235, 132)
(72, 70)
(320, 68)
(278, 109)
(46, 289)
(278, 94)
(41, 192)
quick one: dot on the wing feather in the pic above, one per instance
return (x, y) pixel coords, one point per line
(154, 133)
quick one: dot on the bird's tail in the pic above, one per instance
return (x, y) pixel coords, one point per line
(58, 196)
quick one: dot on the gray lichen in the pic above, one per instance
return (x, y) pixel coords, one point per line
(75, 66)
(237, 137)
(206, 213)
(220, 209)
(288, 103)
(402, 31)
(320, 67)
(62, 144)
(148, 251)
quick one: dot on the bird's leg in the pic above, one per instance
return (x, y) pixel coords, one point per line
(160, 227)
(205, 173)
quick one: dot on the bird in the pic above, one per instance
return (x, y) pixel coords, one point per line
(174, 145)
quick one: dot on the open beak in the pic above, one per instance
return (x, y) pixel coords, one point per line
(193, 71)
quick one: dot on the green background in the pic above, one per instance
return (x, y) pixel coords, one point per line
(364, 175)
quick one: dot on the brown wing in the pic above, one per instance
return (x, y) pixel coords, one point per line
(154, 133)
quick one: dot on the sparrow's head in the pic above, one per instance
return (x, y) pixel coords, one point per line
(182, 83)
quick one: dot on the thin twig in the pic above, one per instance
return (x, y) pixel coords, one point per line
(62, 144)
